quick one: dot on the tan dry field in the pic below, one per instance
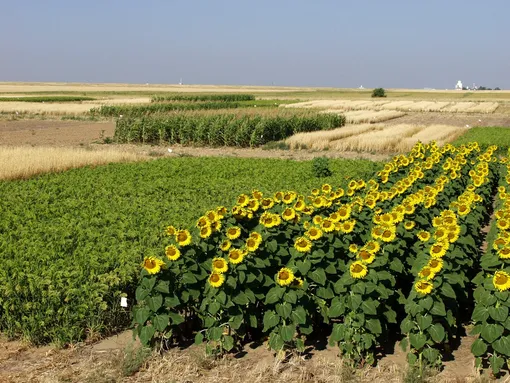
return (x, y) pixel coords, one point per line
(113, 361)
(404, 106)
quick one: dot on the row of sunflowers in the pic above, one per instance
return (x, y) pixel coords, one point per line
(364, 261)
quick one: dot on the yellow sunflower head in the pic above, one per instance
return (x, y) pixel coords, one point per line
(256, 194)
(289, 214)
(423, 236)
(315, 192)
(233, 232)
(212, 216)
(243, 200)
(504, 253)
(353, 248)
(366, 256)
(314, 233)
(426, 273)
(183, 237)
(267, 203)
(409, 225)
(358, 270)
(225, 245)
(438, 249)
(152, 264)
(205, 232)
(236, 256)
(435, 265)
(219, 265)
(216, 279)
(170, 230)
(285, 277)
(328, 225)
(348, 226)
(501, 280)
(299, 205)
(423, 287)
(252, 244)
(297, 283)
(172, 253)
(303, 245)
(326, 188)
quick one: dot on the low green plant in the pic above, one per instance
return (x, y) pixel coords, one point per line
(203, 97)
(320, 167)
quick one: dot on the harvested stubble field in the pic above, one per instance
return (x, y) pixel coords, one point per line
(380, 138)
(367, 116)
(406, 106)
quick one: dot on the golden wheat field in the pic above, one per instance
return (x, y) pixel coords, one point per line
(404, 105)
(379, 138)
(21, 162)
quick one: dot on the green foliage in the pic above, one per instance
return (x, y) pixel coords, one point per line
(48, 98)
(486, 136)
(221, 129)
(71, 243)
(143, 110)
(320, 167)
(379, 92)
(203, 97)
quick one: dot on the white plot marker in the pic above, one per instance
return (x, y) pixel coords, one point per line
(123, 302)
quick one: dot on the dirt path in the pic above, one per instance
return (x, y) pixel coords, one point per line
(116, 359)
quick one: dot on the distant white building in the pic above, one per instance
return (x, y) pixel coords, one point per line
(459, 85)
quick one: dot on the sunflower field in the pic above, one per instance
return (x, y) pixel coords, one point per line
(399, 253)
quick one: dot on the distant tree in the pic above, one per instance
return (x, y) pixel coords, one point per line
(497, 88)
(379, 92)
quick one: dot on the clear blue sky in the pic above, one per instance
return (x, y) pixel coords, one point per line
(387, 43)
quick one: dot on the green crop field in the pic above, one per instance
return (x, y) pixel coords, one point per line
(72, 243)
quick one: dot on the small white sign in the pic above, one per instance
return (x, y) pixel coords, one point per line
(123, 302)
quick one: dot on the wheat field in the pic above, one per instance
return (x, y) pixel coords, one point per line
(404, 105)
(22, 162)
(379, 138)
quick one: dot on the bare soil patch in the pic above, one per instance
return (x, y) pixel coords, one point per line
(116, 359)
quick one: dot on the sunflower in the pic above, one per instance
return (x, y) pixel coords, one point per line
(152, 265)
(319, 202)
(377, 232)
(328, 225)
(253, 204)
(212, 216)
(297, 283)
(183, 238)
(221, 211)
(288, 198)
(463, 209)
(289, 214)
(172, 253)
(216, 226)
(423, 287)
(252, 244)
(335, 217)
(216, 279)
(504, 253)
(303, 245)
(366, 256)
(423, 236)
(205, 232)
(344, 212)
(435, 265)
(372, 247)
(315, 191)
(326, 188)
(276, 220)
(299, 205)
(256, 194)
(233, 232)
(285, 277)
(219, 265)
(236, 256)
(389, 234)
(426, 273)
(358, 270)
(409, 225)
(256, 236)
(266, 219)
(225, 245)
(437, 221)
(499, 242)
(202, 222)
(267, 203)
(278, 196)
(438, 249)
(314, 233)
(501, 280)
(170, 230)
(243, 200)
(317, 220)
(348, 226)
(353, 248)
(503, 224)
